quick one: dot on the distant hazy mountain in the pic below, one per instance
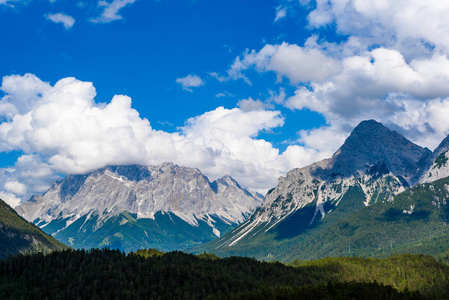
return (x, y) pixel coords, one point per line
(305, 216)
(19, 236)
(129, 207)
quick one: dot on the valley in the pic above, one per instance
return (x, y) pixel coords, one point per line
(379, 202)
(224, 149)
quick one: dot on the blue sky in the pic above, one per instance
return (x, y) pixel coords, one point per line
(144, 53)
(246, 88)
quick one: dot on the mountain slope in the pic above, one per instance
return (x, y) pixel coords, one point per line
(438, 166)
(19, 236)
(414, 222)
(372, 166)
(129, 207)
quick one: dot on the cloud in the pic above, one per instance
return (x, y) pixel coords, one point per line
(15, 187)
(250, 105)
(281, 12)
(367, 79)
(230, 137)
(29, 176)
(373, 76)
(424, 123)
(62, 18)
(380, 84)
(278, 98)
(220, 95)
(12, 2)
(10, 199)
(392, 65)
(190, 81)
(218, 76)
(298, 64)
(410, 26)
(223, 94)
(62, 130)
(111, 10)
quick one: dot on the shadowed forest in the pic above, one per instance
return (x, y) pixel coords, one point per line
(152, 274)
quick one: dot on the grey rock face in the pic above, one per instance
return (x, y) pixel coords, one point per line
(142, 190)
(371, 143)
(438, 166)
(373, 159)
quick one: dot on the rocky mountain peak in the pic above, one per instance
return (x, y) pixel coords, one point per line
(371, 127)
(144, 191)
(372, 144)
(228, 181)
(372, 166)
(168, 167)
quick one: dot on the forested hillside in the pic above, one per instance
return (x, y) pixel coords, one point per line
(151, 274)
(19, 236)
(414, 221)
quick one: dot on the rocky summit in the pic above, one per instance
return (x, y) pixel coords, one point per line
(371, 146)
(130, 207)
(372, 166)
(374, 160)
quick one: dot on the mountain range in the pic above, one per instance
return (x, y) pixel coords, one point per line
(168, 207)
(378, 194)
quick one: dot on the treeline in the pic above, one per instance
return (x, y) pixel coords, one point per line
(151, 274)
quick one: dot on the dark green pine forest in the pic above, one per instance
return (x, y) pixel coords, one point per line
(151, 274)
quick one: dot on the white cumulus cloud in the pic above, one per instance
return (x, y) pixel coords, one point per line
(380, 84)
(411, 26)
(392, 66)
(298, 64)
(62, 130)
(15, 187)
